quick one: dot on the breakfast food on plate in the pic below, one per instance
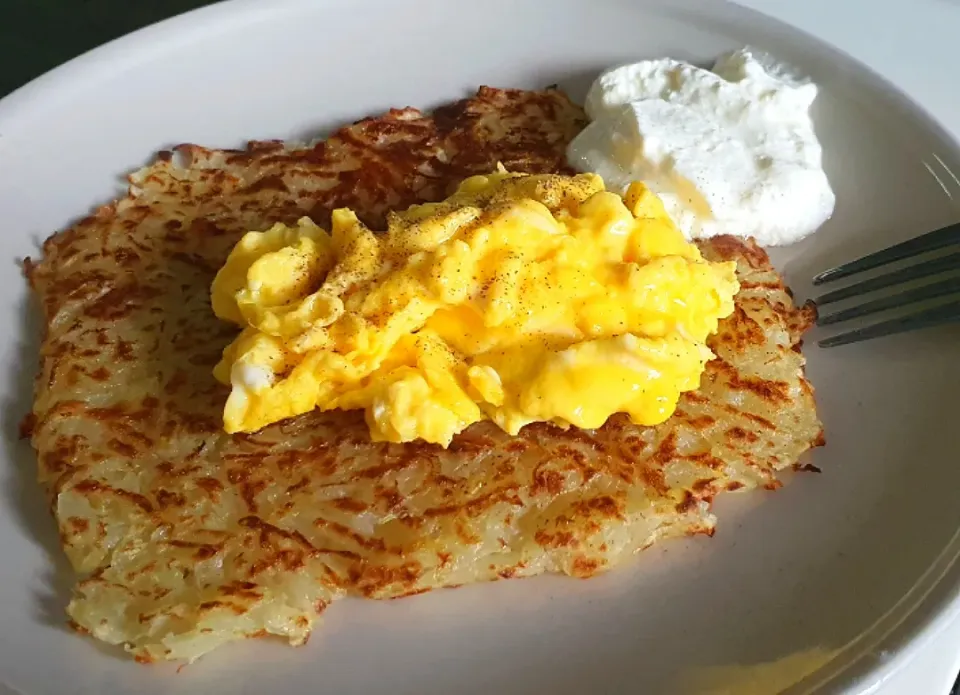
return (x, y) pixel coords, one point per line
(187, 537)
(731, 150)
(521, 298)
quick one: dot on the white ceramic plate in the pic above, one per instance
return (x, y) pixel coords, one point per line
(825, 584)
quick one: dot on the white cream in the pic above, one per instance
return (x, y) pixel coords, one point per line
(730, 150)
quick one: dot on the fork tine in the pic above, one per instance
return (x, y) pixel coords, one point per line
(918, 294)
(946, 313)
(925, 242)
(913, 272)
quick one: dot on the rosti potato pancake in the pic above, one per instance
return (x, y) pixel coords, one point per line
(186, 537)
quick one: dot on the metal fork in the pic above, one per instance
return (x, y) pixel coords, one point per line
(937, 270)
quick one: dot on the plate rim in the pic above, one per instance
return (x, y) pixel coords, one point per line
(881, 651)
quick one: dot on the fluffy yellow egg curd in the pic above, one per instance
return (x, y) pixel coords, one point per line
(519, 299)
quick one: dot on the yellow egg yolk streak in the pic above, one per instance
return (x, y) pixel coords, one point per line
(521, 298)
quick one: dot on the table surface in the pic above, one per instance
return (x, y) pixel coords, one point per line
(877, 32)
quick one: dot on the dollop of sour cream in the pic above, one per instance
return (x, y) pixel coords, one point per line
(730, 150)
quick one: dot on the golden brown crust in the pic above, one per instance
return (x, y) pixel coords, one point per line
(188, 537)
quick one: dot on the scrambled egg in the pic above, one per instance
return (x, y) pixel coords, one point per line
(521, 298)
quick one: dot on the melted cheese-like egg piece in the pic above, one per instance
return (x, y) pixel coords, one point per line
(521, 298)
